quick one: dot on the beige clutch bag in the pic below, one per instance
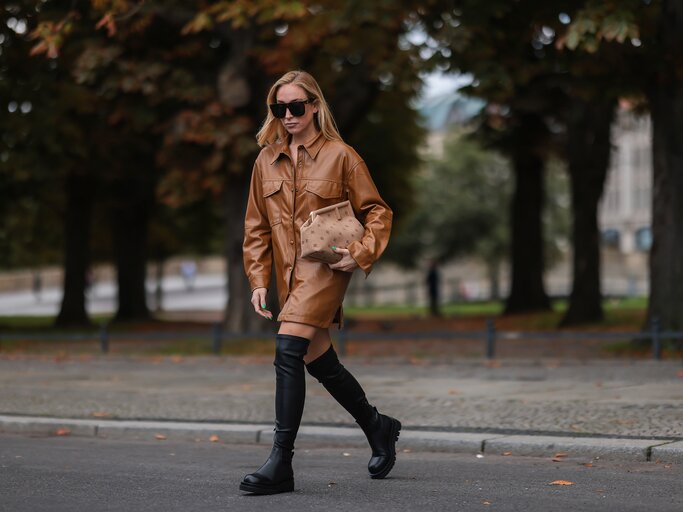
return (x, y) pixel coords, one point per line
(334, 225)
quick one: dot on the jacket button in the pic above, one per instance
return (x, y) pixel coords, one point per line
(291, 242)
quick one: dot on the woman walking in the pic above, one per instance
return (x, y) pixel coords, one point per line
(304, 165)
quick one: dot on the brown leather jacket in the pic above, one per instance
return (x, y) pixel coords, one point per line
(281, 197)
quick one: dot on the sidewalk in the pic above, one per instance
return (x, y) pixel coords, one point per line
(622, 410)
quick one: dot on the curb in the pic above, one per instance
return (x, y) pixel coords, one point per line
(619, 449)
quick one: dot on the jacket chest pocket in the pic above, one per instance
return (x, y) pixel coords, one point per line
(273, 198)
(321, 193)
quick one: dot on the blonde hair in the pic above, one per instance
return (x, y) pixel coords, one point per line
(272, 129)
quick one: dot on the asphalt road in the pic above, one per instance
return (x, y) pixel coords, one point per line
(85, 474)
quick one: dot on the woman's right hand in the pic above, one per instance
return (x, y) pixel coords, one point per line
(258, 300)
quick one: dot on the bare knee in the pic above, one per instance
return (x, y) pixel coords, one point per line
(297, 329)
(320, 343)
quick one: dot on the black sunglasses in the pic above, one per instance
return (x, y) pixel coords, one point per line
(297, 108)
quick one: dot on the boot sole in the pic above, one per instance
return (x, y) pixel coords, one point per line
(395, 432)
(286, 486)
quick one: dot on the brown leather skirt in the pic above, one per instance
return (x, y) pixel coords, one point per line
(316, 293)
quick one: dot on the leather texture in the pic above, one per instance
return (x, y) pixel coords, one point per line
(276, 475)
(332, 226)
(380, 430)
(382, 433)
(282, 194)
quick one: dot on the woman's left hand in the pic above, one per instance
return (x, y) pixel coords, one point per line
(346, 264)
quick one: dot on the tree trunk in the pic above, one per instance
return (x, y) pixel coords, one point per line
(134, 199)
(79, 203)
(527, 292)
(588, 148)
(240, 316)
(666, 99)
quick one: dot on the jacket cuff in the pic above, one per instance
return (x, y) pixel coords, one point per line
(362, 256)
(259, 281)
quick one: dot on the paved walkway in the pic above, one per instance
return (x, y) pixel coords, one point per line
(527, 407)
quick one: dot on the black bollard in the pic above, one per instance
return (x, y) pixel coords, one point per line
(104, 337)
(490, 338)
(217, 338)
(656, 339)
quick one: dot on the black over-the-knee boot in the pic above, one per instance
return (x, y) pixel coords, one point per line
(276, 474)
(382, 431)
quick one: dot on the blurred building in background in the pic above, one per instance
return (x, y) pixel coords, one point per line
(626, 209)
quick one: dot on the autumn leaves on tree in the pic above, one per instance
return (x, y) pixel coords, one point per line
(140, 118)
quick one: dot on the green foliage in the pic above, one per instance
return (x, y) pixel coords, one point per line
(387, 139)
(41, 141)
(597, 21)
(462, 206)
(172, 92)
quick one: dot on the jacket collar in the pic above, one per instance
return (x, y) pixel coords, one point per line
(312, 147)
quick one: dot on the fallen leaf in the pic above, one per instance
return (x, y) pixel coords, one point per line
(453, 392)
(557, 459)
(507, 453)
(587, 464)
(561, 482)
(485, 502)
(407, 450)
(679, 373)
(560, 455)
(176, 359)
(493, 364)
(100, 414)
(63, 432)
(214, 438)
(160, 437)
